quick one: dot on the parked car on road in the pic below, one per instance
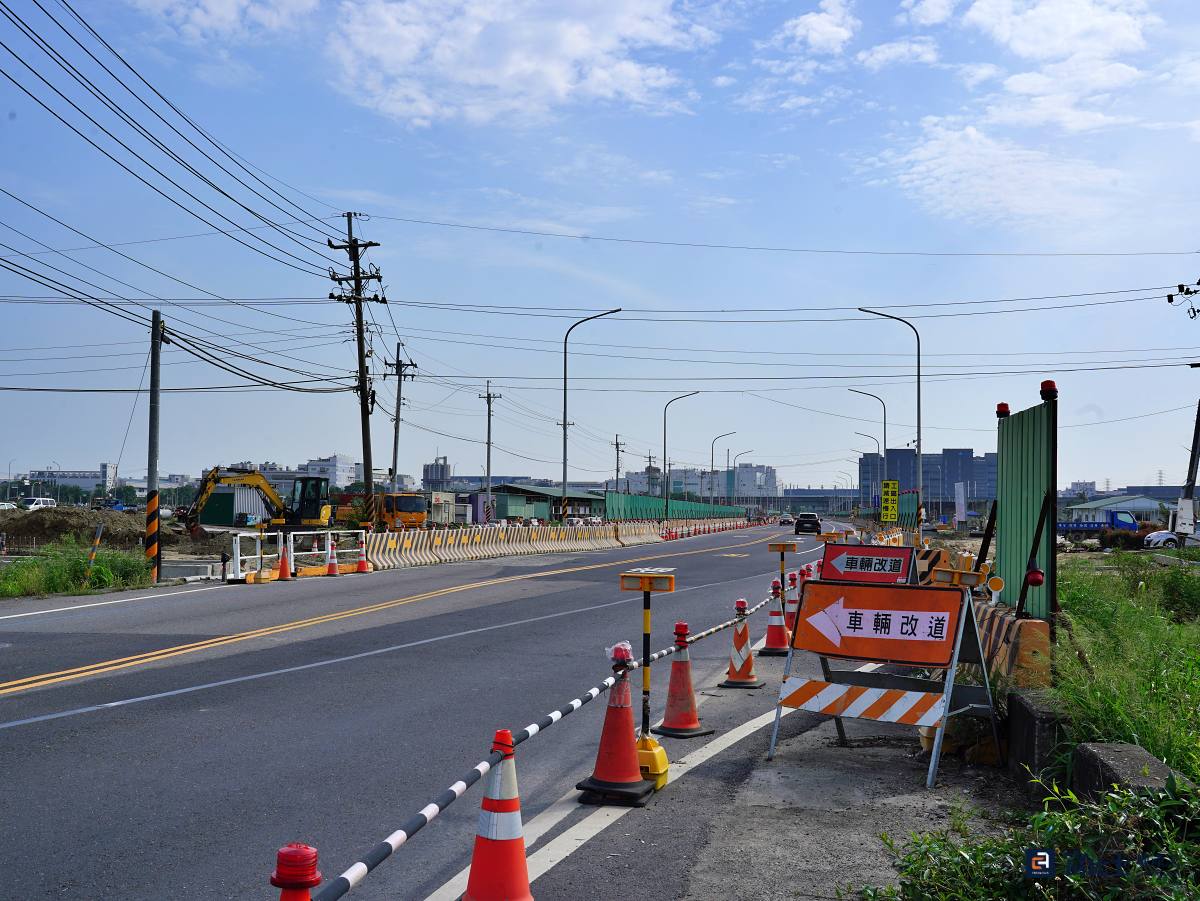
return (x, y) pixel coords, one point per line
(808, 522)
(38, 503)
(1166, 538)
(594, 520)
(573, 521)
(5, 505)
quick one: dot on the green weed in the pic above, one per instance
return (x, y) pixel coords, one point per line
(60, 569)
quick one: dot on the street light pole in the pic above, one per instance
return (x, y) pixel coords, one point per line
(712, 467)
(666, 477)
(735, 459)
(920, 481)
(884, 403)
(878, 453)
(849, 486)
(565, 424)
(8, 485)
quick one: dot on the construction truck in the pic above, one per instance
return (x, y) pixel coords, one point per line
(1181, 527)
(397, 510)
(307, 505)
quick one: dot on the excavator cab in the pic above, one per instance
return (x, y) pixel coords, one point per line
(310, 499)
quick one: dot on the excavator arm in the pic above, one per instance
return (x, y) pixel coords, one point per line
(276, 508)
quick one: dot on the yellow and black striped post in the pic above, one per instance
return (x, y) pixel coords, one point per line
(87, 573)
(153, 550)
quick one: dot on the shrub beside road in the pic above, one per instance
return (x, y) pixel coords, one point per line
(60, 569)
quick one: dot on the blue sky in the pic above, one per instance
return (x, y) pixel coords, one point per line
(1010, 127)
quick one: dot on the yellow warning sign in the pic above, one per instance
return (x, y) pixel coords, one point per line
(889, 503)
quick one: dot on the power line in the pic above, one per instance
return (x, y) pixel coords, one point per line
(702, 245)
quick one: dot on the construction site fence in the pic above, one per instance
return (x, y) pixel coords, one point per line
(424, 547)
(622, 507)
(258, 551)
(341, 885)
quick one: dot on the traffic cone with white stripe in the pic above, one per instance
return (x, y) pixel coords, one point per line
(617, 777)
(681, 719)
(331, 564)
(363, 566)
(296, 872)
(498, 868)
(776, 644)
(741, 659)
(285, 565)
(791, 605)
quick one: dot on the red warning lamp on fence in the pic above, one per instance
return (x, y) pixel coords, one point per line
(1035, 578)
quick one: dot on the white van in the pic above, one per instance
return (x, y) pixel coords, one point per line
(38, 503)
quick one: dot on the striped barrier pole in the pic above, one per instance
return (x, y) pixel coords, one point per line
(341, 885)
(153, 550)
(87, 573)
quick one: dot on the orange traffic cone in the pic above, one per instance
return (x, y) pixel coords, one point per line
(285, 565)
(363, 566)
(498, 869)
(820, 568)
(681, 720)
(741, 658)
(776, 644)
(791, 605)
(617, 777)
(295, 872)
(331, 564)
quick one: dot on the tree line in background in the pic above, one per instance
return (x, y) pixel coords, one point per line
(71, 495)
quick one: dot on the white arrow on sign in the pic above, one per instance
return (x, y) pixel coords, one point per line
(837, 621)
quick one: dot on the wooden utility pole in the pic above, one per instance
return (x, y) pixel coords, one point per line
(357, 277)
(489, 511)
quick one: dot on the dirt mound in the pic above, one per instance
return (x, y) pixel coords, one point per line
(59, 523)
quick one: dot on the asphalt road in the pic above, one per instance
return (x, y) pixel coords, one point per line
(162, 744)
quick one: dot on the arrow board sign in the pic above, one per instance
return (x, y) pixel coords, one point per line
(887, 623)
(867, 563)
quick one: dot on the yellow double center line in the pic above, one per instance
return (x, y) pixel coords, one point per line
(107, 666)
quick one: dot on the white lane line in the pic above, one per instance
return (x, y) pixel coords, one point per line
(142, 597)
(252, 677)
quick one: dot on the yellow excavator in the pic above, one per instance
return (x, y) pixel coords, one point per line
(308, 504)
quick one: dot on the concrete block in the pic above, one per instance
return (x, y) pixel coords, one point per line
(1099, 765)
(1036, 731)
(178, 570)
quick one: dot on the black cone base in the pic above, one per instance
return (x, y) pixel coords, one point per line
(771, 652)
(757, 683)
(629, 794)
(694, 732)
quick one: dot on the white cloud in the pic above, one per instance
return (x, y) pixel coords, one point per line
(960, 172)
(827, 31)
(929, 12)
(1066, 94)
(913, 50)
(976, 74)
(1055, 29)
(423, 61)
(724, 81)
(197, 20)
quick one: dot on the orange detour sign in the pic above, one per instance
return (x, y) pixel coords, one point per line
(867, 563)
(908, 624)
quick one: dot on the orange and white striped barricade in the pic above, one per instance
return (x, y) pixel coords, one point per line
(914, 626)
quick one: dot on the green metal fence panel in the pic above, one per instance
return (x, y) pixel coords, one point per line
(622, 507)
(1026, 469)
(908, 509)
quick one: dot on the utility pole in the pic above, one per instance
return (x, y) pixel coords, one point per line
(649, 466)
(489, 513)
(366, 398)
(620, 446)
(153, 548)
(399, 366)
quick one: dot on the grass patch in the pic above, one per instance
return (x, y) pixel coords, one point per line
(1125, 845)
(60, 569)
(1140, 634)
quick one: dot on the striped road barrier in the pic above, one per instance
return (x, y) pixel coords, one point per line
(340, 886)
